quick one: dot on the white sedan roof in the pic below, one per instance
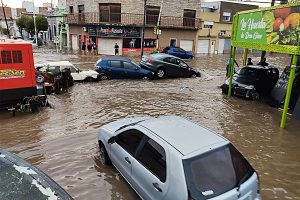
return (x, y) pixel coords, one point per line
(182, 134)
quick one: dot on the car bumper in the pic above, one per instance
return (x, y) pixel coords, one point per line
(240, 92)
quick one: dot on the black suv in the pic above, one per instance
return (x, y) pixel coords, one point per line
(252, 82)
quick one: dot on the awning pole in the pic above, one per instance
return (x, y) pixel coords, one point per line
(245, 56)
(231, 68)
(289, 91)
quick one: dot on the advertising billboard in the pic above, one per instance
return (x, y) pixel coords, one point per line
(275, 29)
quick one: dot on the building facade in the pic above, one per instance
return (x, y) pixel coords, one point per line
(106, 23)
(215, 27)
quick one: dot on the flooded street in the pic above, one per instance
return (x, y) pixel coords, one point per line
(62, 141)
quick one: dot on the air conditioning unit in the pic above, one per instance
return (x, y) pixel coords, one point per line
(84, 29)
(222, 33)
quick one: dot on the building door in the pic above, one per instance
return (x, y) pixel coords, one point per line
(106, 46)
(221, 46)
(75, 45)
(173, 42)
(212, 46)
(187, 45)
(203, 46)
(227, 46)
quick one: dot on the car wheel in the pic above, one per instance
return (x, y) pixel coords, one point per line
(146, 78)
(161, 73)
(254, 95)
(89, 79)
(194, 75)
(104, 158)
(103, 77)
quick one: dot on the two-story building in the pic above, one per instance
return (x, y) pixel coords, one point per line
(120, 21)
(216, 24)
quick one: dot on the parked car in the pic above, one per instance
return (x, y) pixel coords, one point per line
(21, 180)
(173, 158)
(33, 41)
(56, 79)
(252, 82)
(178, 52)
(76, 73)
(164, 65)
(120, 67)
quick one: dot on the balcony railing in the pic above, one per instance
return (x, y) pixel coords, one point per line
(132, 19)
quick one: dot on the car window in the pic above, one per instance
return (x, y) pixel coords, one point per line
(216, 172)
(170, 60)
(130, 140)
(181, 50)
(181, 63)
(72, 69)
(153, 157)
(115, 64)
(128, 65)
(53, 69)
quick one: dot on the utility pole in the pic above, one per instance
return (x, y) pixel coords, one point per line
(8, 35)
(34, 22)
(143, 29)
(158, 24)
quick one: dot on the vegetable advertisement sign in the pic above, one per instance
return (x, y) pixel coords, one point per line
(269, 29)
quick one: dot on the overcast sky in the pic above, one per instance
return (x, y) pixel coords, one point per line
(18, 3)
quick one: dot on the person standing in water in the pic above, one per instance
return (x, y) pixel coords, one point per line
(116, 49)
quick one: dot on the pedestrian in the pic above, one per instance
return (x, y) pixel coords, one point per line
(94, 48)
(263, 62)
(83, 47)
(116, 49)
(249, 61)
(227, 67)
(89, 47)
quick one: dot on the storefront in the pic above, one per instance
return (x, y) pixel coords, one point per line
(129, 39)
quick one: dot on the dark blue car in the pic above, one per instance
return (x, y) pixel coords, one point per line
(114, 67)
(178, 52)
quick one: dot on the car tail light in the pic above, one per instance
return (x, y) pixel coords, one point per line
(150, 60)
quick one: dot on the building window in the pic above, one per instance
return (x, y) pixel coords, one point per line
(152, 13)
(71, 9)
(226, 16)
(80, 9)
(208, 25)
(81, 13)
(110, 12)
(189, 18)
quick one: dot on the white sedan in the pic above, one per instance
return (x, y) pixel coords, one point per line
(76, 73)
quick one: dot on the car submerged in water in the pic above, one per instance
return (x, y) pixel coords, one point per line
(252, 82)
(172, 158)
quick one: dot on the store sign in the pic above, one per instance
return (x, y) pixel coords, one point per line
(132, 32)
(280, 26)
(110, 32)
(11, 73)
(92, 31)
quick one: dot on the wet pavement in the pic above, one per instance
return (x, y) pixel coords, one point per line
(62, 141)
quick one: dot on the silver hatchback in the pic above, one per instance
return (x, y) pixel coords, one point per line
(172, 158)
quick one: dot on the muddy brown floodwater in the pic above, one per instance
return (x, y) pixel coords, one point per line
(62, 141)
